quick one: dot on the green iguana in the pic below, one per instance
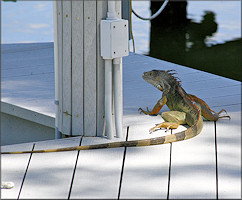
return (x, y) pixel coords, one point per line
(185, 109)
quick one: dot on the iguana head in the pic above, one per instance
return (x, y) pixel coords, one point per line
(162, 80)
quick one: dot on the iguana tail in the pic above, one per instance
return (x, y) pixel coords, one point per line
(183, 135)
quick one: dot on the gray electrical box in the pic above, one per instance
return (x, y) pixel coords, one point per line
(114, 38)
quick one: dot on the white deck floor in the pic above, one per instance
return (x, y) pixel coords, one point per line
(143, 172)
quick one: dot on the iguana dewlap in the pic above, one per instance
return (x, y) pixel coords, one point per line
(185, 108)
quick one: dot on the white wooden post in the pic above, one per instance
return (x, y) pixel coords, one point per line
(79, 66)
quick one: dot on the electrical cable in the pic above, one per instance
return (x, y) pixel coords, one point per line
(143, 18)
(130, 21)
(154, 15)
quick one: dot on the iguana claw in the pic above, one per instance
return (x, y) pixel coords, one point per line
(166, 125)
(222, 111)
(143, 111)
(223, 116)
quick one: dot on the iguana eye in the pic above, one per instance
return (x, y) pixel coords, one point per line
(159, 87)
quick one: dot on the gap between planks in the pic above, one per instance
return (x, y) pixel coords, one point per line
(122, 170)
(25, 172)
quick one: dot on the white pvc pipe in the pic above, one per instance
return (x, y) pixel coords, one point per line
(118, 96)
(57, 133)
(118, 85)
(111, 10)
(118, 89)
(108, 98)
(111, 15)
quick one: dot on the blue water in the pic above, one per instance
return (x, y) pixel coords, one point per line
(228, 17)
(32, 21)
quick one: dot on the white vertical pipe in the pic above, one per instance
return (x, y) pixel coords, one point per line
(118, 85)
(111, 14)
(57, 133)
(118, 96)
(118, 89)
(108, 98)
(111, 10)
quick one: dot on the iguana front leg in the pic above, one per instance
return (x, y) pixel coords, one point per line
(156, 108)
(172, 120)
(207, 112)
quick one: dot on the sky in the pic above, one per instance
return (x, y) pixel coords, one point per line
(32, 21)
(27, 21)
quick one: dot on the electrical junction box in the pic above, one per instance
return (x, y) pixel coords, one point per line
(114, 38)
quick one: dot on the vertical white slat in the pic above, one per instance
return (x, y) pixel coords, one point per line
(55, 14)
(66, 67)
(90, 68)
(101, 14)
(77, 67)
(60, 66)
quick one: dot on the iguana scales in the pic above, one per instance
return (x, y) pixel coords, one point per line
(185, 109)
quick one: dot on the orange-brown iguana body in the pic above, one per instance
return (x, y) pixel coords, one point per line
(185, 109)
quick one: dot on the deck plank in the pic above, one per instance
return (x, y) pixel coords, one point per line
(229, 154)
(98, 171)
(146, 168)
(49, 174)
(12, 172)
(193, 166)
